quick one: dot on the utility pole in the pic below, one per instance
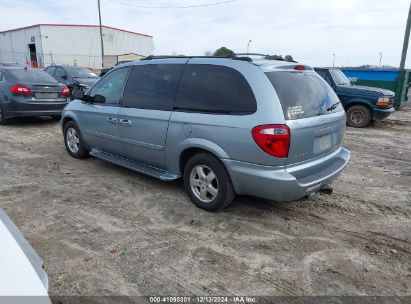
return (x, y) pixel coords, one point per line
(406, 39)
(380, 59)
(101, 34)
(334, 60)
(248, 46)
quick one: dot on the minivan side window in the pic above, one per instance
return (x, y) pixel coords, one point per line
(214, 89)
(152, 86)
(110, 87)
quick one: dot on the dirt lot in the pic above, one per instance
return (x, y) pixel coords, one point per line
(104, 230)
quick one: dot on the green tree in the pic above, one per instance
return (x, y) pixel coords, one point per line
(289, 58)
(223, 52)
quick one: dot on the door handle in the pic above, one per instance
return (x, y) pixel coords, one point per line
(112, 120)
(125, 122)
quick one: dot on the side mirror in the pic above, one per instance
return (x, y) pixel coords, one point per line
(99, 99)
(78, 94)
(64, 77)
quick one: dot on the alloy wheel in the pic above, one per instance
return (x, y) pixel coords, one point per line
(204, 183)
(73, 140)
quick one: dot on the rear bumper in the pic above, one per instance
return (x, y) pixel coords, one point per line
(33, 113)
(382, 113)
(18, 109)
(286, 184)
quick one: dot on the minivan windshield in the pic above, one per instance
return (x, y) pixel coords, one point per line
(79, 72)
(303, 94)
(339, 77)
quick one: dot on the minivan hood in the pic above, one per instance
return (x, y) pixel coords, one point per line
(363, 90)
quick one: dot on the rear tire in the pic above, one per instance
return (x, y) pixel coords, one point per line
(3, 119)
(73, 140)
(359, 116)
(207, 182)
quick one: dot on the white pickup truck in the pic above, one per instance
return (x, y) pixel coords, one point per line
(22, 277)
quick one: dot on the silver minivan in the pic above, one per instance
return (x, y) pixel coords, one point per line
(227, 126)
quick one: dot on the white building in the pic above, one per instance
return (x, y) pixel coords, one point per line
(72, 44)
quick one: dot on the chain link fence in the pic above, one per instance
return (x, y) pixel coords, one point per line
(40, 60)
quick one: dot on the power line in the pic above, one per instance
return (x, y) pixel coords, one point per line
(171, 7)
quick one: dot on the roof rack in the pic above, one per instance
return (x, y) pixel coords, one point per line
(265, 56)
(238, 56)
(251, 54)
(235, 57)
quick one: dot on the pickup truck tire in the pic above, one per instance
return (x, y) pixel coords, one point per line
(359, 116)
(207, 182)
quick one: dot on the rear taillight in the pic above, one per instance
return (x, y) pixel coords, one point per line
(273, 139)
(20, 90)
(65, 91)
(299, 68)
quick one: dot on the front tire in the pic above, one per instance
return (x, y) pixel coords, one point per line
(207, 182)
(73, 141)
(359, 116)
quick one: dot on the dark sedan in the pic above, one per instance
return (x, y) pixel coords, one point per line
(105, 71)
(30, 92)
(74, 77)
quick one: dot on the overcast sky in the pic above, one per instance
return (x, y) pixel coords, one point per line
(311, 30)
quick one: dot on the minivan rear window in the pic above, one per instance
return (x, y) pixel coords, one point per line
(304, 94)
(32, 76)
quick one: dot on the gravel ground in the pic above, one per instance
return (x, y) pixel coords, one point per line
(104, 230)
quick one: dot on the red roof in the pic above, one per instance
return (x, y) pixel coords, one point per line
(78, 25)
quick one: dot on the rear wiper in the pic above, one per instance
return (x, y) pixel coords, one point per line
(332, 108)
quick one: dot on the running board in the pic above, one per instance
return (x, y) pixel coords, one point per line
(154, 172)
